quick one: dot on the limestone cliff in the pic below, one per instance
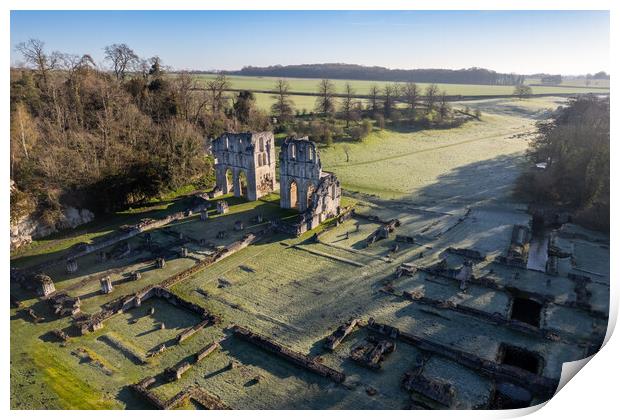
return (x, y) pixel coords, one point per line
(27, 225)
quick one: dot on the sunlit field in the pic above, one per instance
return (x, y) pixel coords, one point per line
(362, 87)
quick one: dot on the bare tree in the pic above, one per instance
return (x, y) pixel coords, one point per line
(348, 104)
(184, 85)
(431, 97)
(122, 58)
(34, 55)
(373, 97)
(389, 95)
(216, 89)
(444, 107)
(411, 95)
(325, 103)
(24, 134)
(346, 149)
(283, 107)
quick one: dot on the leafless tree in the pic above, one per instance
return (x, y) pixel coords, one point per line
(34, 55)
(122, 58)
(431, 96)
(283, 106)
(373, 95)
(444, 107)
(389, 94)
(325, 103)
(216, 89)
(348, 104)
(411, 95)
(346, 149)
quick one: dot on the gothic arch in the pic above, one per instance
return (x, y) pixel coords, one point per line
(229, 180)
(242, 179)
(309, 193)
(293, 191)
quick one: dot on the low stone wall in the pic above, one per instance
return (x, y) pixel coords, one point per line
(84, 325)
(184, 335)
(87, 324)
(198, 394)
(494, 318)
(540, 386)
(334, 340)
(294, 357)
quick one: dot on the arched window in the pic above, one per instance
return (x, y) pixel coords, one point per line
(261, 145)
(292, 151)
(309, 195)
(243, 184)
(229, 180)
(293, 195)
(265, 159)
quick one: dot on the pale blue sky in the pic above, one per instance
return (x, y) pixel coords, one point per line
(567, 42)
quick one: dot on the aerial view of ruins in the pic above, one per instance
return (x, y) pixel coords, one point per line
(204, 226)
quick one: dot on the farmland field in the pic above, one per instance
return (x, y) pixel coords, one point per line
(300, 102)
(592, 84)
(362, 87)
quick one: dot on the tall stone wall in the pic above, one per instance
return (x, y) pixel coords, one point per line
(249, 154)
(300, 173)
(304, 185)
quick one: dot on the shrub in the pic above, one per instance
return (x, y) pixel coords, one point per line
(356, 133)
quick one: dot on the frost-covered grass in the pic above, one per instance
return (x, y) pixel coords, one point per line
(452, 188)
(396, 165)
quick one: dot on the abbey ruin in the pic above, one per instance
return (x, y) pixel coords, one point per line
(304, 185)
(245, 165)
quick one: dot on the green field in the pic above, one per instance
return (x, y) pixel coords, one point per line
(400, 165)
(597, 84)
(363, 86)
(300, 102)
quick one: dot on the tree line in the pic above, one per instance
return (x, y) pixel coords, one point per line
(572, 153)
(423, 108)
(110, 135)
(472, 75)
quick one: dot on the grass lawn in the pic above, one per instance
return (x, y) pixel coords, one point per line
(392, 164)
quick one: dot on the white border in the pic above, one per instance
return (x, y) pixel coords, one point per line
(591, 395)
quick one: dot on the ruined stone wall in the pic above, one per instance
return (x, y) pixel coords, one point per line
(304, 185)
(300, 173)
(252, 154)
(325, 201)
